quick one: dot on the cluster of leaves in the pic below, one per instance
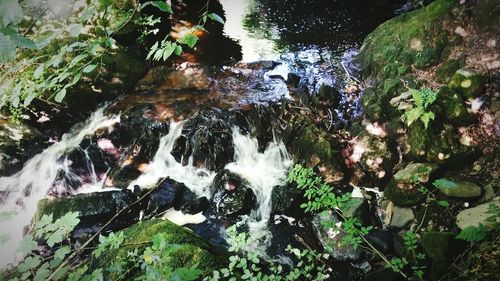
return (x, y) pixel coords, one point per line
(48, 247)
(252, 265)
(439, 183)
(319, 194)
(478, 233)
(412, 258)
(422, 100)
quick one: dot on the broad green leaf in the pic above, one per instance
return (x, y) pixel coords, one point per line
(69, 221)
(38, 71)
(473, 234)
(89, 68)
(60, 95)
(443, 203)
(46, 39)
(188, 39)
(55, 237)
(164, 7)
(30, 263)
(20, 40)
(426, 117)
(62, 252)
(27, 245)
(216, 17)
(7, 48)
(10, 12)
(412, 115)
(168, 51)
(44, 221)
(42, 273)
(178, 50)
(75, 29)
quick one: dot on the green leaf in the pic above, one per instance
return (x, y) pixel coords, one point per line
(89, 68)
(164, 7)
(216, 17)
(30, 263)
(55, 237)
(473, 234)
(75, 29)
(27, 245)
(426, 117)
(443, 203)
(60, 95)
(178, 50)
(62, 252)
(10, 12)
(38, 71)
(412, 115)
(20, 40)
(168, 51)
(7, 49)
(188, 39)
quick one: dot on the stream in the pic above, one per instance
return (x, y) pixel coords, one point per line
(213, 129)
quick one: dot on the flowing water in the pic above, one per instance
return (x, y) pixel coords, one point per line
(40, 176)
(313, 39)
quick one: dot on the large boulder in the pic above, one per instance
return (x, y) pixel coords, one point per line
(476, 215)
(232, 194)
(95, 210)
(190, 250)
(326, 227)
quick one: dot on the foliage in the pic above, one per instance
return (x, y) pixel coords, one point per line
(318, 193)
(57, 54)
(422, 100)
(476, 234)
(251, 265)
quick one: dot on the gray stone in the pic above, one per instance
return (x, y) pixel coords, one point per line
(399, 216)
(359, 209)
(326, 227)
(419, 171)
(476, 215)
(461, 189)
(488, 192)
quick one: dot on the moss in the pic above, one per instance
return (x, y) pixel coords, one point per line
(403, 194)
(192, 250)
(313, 142)
(413, 38)
(467, 83)
(452, 107)
(441, 247)
(447, 69)
(486, 13)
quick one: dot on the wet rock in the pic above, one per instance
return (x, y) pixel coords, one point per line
(373, 154)
(95, 209)
(441, 247)
(489, 192)
(164, 197)
(403, 194)
(191, 250)
(382, 240)
(326, 226)
(420, 172)
(476, 215)
(192, 204)
(232, 194)
(358, 208)
(328, 94)
(283, 198)
(398, 217)
(313, 143)
(385, 274)
(293, 79)
(469, 84)
(461, 189)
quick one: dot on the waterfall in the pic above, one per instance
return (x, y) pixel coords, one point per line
(37, 178)
(164, 164)
(264, 171)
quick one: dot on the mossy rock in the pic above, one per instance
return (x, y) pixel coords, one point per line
(191, 250)
(452, 107)
(442, 248)
(416, 38)
(422, 172)
(469, 84)
(441, 146)
(461, 189)
(447, 69)
(403, 194)
(486, 13)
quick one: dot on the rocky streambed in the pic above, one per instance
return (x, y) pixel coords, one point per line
(195, 148)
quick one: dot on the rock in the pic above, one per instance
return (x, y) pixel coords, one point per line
(488, 192)
(283, 198)
(95, 210)
(233, 195)
(293, 79)
(447, 69)
(329, 93)
(469, 84)
(403, 194)
(476, 215)
(441, 247)
(398, 217)
(358, 208)
(415, 171)
(164, 197)
(313, 143)
(382, 240)
(190, 250)
(190, 203)
(461, 189)
(324, 225)
(452, 107)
